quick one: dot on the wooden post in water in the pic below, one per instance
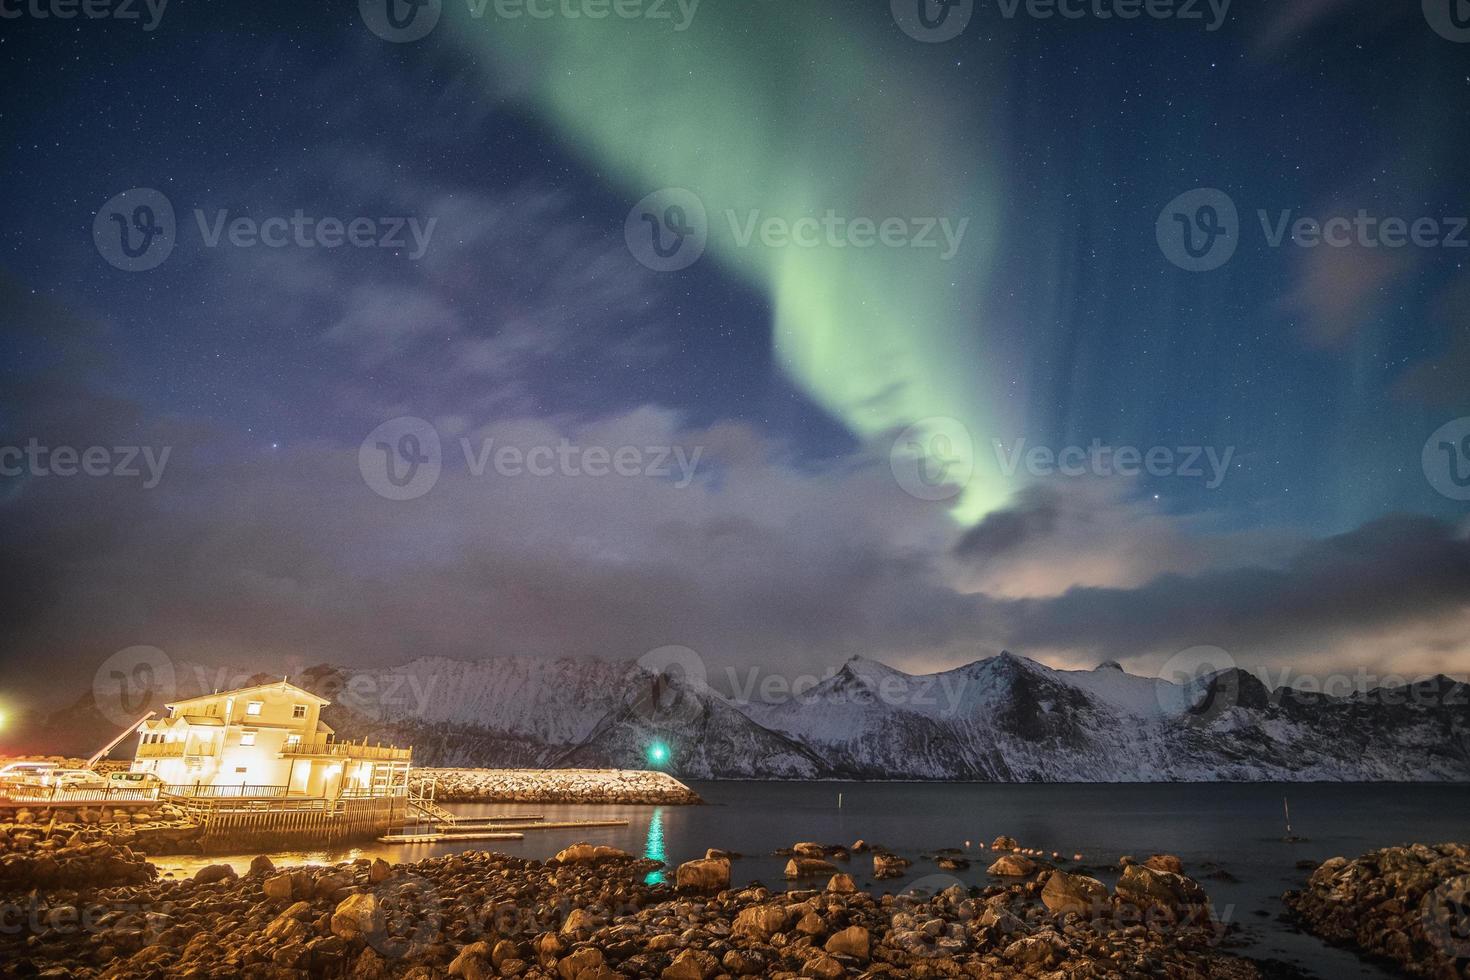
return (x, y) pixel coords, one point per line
(1285, 805)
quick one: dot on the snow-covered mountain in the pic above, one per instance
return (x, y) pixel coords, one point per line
(1004, 718)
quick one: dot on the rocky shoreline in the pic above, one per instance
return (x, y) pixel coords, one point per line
(596, 913)
(634, 786)
(1409, 906)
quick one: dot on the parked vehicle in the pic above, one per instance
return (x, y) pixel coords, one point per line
(76, 779)
(133, 780)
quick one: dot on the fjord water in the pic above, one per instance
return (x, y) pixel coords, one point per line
(1237, 827)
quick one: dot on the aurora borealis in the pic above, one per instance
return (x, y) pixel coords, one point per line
(951, 387)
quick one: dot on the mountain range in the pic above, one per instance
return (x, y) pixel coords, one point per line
(1001, 719)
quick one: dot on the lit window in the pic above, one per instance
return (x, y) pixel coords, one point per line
(298, 711)
(242, 768)
(293, 739)
(247, 738)
(253, 707)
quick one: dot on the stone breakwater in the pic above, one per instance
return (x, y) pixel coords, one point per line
(91, 845)
(559, 786)
(596, 913)
(1408, 905)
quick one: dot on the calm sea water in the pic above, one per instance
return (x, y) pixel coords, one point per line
(1237, 827)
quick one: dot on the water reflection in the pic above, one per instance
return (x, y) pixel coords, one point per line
(653, 845)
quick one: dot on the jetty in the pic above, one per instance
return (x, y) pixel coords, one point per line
(427, 822)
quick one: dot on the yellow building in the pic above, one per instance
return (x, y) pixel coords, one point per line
(267, 740)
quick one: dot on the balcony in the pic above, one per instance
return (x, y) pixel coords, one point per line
(161, 750)
(347, 750)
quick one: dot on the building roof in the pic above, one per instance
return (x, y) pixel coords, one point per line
(277, 686)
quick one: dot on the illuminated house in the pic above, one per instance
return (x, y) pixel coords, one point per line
(265, 739)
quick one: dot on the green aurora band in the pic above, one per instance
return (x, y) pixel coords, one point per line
(787, 108)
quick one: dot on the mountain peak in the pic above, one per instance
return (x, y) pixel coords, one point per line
(1110, 665)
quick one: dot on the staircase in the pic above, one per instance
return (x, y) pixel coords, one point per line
(421, 804)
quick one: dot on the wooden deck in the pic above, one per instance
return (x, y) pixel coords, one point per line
(492, 828)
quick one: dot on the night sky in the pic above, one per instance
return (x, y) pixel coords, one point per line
(805, 376)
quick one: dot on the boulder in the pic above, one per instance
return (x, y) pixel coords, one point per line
(852, 941)
(211, 873)
(759, 922)
(1073, 893)
(691, 964)
(842, 884)
(587, 958)
(358, 916)
(889, 865)
(1165, 862)
(1146, 888)
(708, 875)
(262, 865)
(1004, 843)
(584, 853)
(379, 871)
(800, 867)
(1013, 866)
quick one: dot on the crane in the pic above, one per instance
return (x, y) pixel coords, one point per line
(113, 744)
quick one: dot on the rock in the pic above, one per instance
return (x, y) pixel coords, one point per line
(889, 865)
(587, 958)
(1004, 843)
(841, 884)
(1030, 951)
(1013, 866)
(691, 964)
(708, 875)
(823, 966)
(579, 920)
(211, 873)
(799, 867)
(277, 887)
(1146, 888)
(358, 916)
(379, 871)
(809, 849)
(262, 865)
(852, 941)
(759, 922)
(1165, 862)
(584, 853)
(1074, 893)
(473, 961)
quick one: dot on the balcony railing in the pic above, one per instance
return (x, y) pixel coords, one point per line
(348, 750)
(161, 750)
(229, 791)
